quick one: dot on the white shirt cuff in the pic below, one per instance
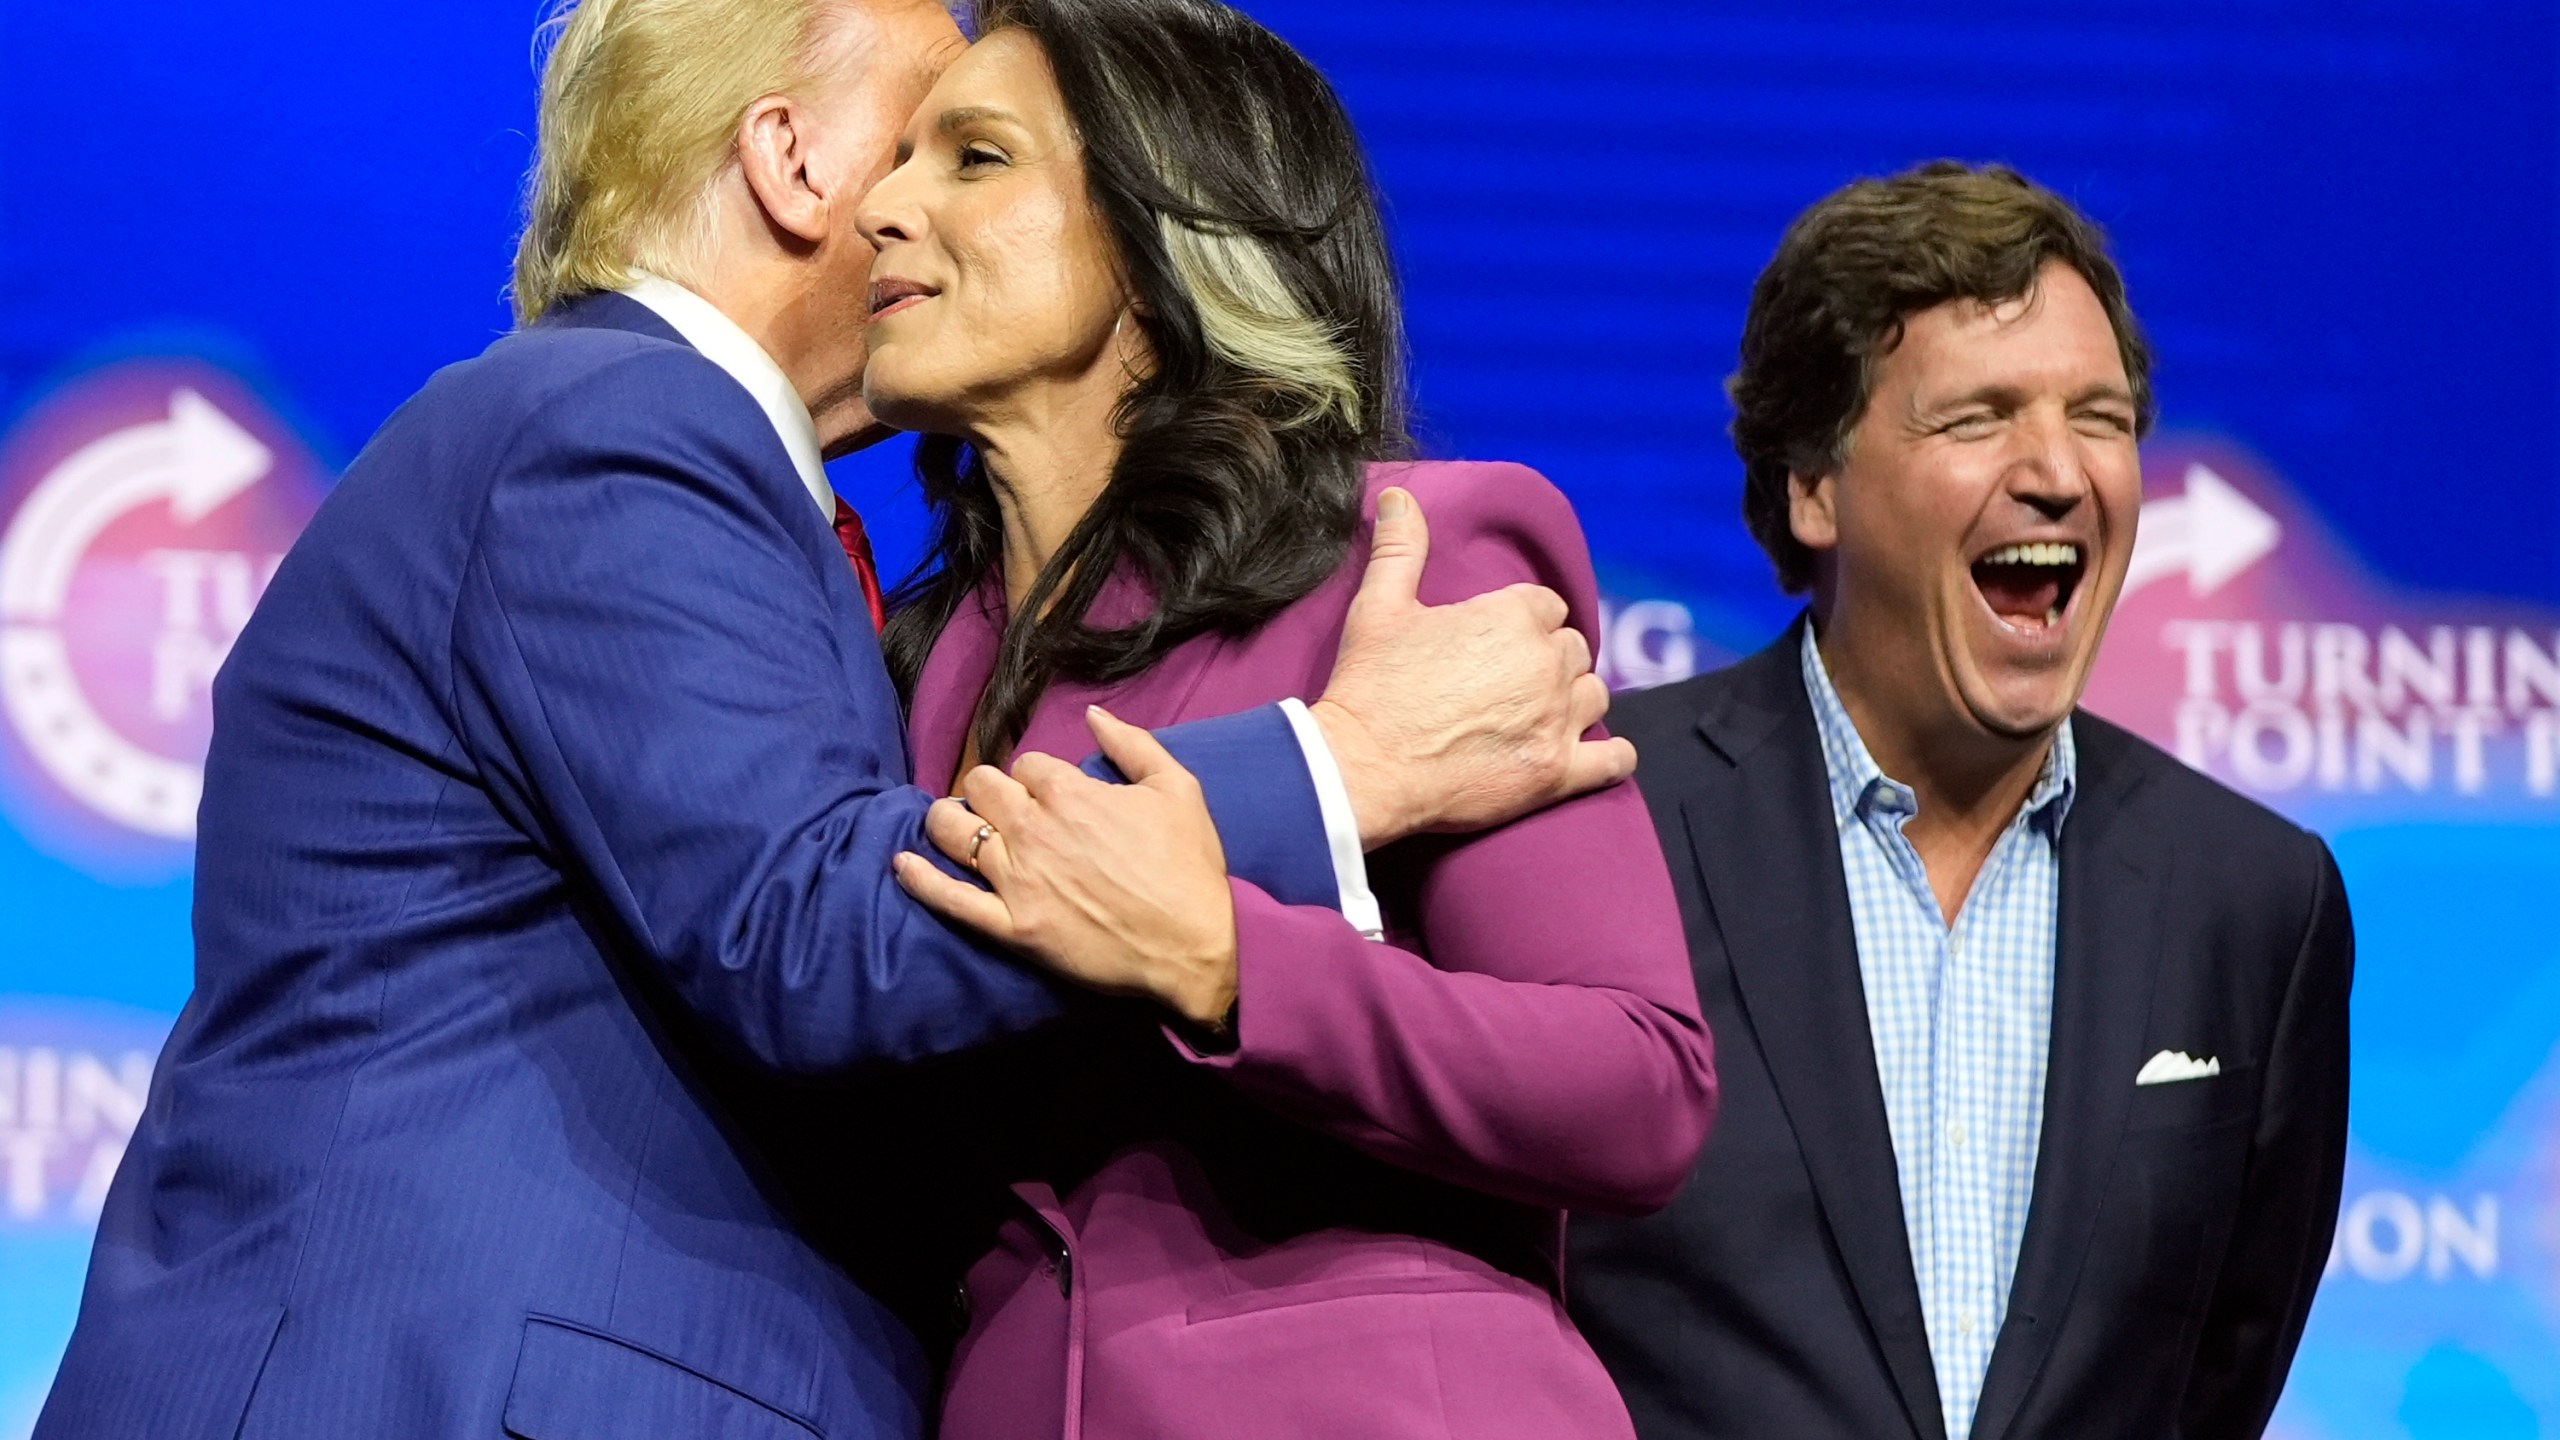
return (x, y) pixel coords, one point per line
(1341, 831)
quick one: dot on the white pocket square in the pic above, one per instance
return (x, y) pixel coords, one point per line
(2174, 1065)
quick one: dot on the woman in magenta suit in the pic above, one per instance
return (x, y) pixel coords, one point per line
(1133, 286)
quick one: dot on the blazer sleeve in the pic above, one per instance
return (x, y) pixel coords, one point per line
(650, 680)
(1541, 1041)
(2289, 1198)
(1255, 776)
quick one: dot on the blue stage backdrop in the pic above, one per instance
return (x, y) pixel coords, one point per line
(234, 236)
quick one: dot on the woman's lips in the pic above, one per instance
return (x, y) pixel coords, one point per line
(891, 295)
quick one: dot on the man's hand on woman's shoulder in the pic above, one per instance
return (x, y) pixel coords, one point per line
(1452, 717)
(1459, 717)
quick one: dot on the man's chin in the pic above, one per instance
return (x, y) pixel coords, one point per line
(2025, 718)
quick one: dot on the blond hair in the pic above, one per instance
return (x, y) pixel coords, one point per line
(1248, 315)
(1253, 322)
(641, 101)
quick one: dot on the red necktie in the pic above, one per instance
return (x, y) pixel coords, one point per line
(857, 548)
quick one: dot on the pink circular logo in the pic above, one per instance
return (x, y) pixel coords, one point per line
(142, 509)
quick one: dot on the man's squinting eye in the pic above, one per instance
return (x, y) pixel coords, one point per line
(2108, 421)
(1971, 425)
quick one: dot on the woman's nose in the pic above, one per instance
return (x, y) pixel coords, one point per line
(885, 214)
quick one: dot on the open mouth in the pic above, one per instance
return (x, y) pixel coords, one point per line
(2030, 586)
(892, 295)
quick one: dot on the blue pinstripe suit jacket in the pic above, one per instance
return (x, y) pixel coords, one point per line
(550, 803)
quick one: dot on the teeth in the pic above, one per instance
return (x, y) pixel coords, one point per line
(2053, 617)
(2051, 552)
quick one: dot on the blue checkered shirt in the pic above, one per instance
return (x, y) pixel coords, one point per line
(1960, 1018)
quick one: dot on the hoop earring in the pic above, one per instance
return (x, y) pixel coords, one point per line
(1126, 369)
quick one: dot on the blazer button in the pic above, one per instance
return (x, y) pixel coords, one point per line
(1062, 1263)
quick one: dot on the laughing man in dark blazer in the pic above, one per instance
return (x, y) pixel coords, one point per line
(2034, 1041)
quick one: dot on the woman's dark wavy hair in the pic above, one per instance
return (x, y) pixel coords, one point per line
(1238, 199)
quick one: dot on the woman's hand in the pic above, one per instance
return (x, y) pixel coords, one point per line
(1120, 888)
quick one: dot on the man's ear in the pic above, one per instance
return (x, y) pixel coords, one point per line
(1813, 510)
(775, 155)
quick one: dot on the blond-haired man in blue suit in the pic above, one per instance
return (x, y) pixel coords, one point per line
(552, 798)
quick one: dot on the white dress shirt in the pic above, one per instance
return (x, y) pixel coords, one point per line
(724, 344)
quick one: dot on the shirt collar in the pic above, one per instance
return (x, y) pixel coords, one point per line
(735, 351)
(1859, 785)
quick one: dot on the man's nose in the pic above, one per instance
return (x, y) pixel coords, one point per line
(2048, 472)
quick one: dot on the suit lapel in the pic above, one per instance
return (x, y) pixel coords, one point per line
(1770, 858)
(2106, 959)
(964, 658)
(955, 675)
(1158, 696)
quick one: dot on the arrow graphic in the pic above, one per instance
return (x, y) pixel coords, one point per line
(193, 462)
(2213, 533)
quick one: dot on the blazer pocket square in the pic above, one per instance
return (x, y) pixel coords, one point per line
(2173, 1065)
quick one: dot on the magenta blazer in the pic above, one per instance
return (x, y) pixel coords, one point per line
(1348, 1226)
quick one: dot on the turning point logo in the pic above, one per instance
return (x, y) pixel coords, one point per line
(2284, 668)
(142, 509)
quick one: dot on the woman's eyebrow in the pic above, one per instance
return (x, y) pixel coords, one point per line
(967, 115)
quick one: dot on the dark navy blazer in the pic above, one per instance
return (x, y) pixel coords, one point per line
(2176, 1232)
(553, 785)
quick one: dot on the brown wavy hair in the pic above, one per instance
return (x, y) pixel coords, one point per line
(1848, 275)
